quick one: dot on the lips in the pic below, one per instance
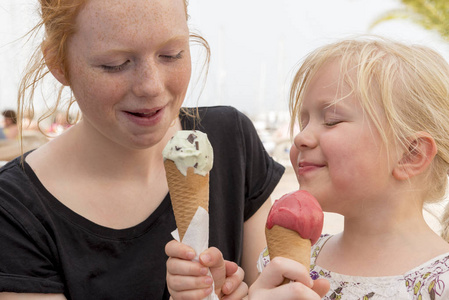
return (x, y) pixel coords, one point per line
(145, 117)
(306, 167)
(144, 113)
(307, 164)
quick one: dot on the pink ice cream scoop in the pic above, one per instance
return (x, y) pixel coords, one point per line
(294, 224)
(298, 211)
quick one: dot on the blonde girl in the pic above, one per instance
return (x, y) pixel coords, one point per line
(374, 147)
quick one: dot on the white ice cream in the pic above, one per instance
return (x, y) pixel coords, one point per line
(190, 148)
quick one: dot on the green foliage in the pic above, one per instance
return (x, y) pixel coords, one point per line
(430, 14)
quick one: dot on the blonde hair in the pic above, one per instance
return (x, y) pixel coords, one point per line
(409, 82)
(58, 18)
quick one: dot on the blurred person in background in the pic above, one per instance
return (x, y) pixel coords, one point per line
(10, 129)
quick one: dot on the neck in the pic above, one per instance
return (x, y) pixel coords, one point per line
(395, 235)
(389, 218)
(102, 157)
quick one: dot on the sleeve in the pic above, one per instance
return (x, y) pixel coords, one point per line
(27, 259)
(262, 172)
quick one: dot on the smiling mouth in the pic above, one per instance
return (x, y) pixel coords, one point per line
(304, 165)
(307, 167)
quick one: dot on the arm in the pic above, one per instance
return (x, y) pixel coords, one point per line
(15, 296)
(254, 241)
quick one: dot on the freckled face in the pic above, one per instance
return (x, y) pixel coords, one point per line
(339, 156)
(129, 68)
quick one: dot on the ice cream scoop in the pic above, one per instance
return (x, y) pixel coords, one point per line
(190, 148)
(298, 211)
(188, 158)
(293, 225)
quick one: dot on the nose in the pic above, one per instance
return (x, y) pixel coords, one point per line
(148, 80)
(305, 139)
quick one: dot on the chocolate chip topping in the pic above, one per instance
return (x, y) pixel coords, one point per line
(196, 165)
(178, 148)
(191, 138)
(197, 145)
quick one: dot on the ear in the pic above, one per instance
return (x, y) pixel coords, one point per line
(56, 70)
(417, 157)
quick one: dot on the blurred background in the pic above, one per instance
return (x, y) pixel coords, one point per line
(256, 46)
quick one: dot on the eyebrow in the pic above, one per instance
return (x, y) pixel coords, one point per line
(176, 38)
(115, 51)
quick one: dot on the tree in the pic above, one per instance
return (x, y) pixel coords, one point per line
(430, 14)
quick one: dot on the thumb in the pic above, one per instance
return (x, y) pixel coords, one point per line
(321, 287)
(213, 258)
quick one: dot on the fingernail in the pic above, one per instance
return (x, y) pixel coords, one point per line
(203, 271)
(208, 291)
(190, 255)
(228, 286)
(205, 258)
(208, 280)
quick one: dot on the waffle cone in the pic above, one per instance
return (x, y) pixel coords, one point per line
(288, 243)
(187, 193)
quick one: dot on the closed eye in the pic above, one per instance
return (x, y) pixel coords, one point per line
(332, 123)
(113, 69)
(173, 57)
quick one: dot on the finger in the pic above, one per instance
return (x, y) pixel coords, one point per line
(212, 258)
(231, 267)
(233, 282)
(290, 291)
(321, 287)
(188, 285)
(297, 290)
(178, 266)
(197, 294)
(280, 268)
(240, 292)
(179, 250)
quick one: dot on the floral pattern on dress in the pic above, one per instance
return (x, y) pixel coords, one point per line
(428, 279)
(426, 282)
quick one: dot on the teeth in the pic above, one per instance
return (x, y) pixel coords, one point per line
(145, 115)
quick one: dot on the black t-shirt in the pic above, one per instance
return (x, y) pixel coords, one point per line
(47, 248)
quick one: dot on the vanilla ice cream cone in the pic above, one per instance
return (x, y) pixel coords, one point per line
(187, 193)
(288, 243)
(188, 159)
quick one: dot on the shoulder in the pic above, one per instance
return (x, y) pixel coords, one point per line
(216, 116)
(430, 278)
(18, 195)
(12, 173)
(222, 124)
(219, 111)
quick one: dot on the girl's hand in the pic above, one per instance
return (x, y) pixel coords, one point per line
(233, 288)
(189, 280)
(267, 286)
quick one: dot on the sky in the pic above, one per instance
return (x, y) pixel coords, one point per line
(256, 45)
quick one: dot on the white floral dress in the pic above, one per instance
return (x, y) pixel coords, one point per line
(427, 281)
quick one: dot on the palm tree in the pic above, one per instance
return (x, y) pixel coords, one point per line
(430, 14)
